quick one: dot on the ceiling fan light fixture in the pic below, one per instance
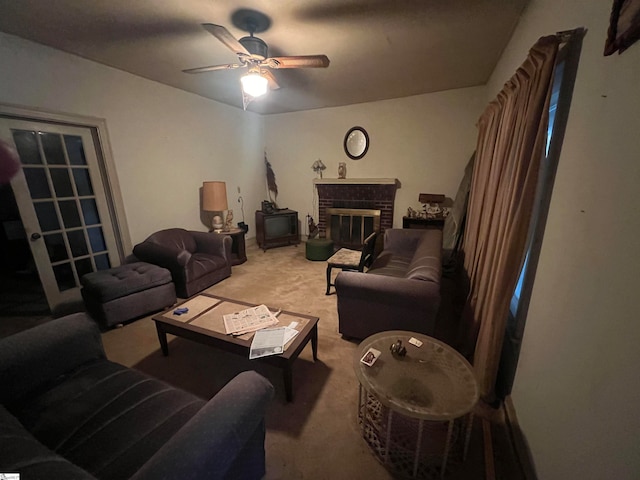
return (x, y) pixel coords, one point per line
(254, 84)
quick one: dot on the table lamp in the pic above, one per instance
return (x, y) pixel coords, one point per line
(214, 199)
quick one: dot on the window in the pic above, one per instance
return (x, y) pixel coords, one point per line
(564, 78)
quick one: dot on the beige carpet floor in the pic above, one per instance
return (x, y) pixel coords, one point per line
(316, 436)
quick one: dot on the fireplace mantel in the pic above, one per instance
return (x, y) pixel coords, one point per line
(357, 181)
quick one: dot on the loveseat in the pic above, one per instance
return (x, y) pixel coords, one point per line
(66, 412)
(196, 260)
(401, 289)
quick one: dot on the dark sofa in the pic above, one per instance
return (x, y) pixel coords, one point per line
(69, 413)
(401, 289)
(196, 260)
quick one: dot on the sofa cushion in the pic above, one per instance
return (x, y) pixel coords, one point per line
(106, 285)
(202, 264)
(87, 417)
(176, 239)
(426, 263)
(391, 264)
(22, 453)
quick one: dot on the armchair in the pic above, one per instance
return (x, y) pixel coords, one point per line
(196, 260)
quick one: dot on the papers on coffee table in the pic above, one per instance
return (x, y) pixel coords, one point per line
(249, 320)
(271, 341)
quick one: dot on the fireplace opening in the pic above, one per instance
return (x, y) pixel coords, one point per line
(349, 227)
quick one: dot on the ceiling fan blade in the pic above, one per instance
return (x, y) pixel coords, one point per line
(300, 61)
(211, 68)
(273, 83)
(225, 37)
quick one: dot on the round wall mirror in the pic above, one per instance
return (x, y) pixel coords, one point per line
(356, 143)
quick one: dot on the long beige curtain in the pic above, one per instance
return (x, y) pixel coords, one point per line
(511, 143)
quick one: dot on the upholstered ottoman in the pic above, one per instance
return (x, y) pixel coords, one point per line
(129, 291)
(319, 249)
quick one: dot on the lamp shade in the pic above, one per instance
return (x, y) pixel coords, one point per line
(214, 196)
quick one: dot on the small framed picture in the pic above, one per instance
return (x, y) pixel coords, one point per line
(370, 357)
(624, 26)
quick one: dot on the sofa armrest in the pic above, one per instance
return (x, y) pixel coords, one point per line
(208, 445)
(390, 290)
(169, 258)
(370, 303)
(213, 244)
(39, 355)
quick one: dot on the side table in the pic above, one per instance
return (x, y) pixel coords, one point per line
(238, 252)
(426, 223)
(415, 411)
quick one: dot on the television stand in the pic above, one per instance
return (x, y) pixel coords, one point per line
(277, 229)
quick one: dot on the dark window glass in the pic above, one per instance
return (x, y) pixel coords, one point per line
(75, 150)
(64, 276)
(83, 181)
(90, 211)
(96, 238)
(52, 147)
(37, 181)
(102, 262)
(27, 145)
(70, 215)
(61, 182)
(55, 247)
(78, 243)
(47, 216)
(83, 266)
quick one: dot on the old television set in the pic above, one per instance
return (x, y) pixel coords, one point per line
(277, 228)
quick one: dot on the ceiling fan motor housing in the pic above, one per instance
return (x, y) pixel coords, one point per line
(255, 46)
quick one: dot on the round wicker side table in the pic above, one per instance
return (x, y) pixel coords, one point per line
(415, 411)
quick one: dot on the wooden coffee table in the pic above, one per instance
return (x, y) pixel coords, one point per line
(203, 323)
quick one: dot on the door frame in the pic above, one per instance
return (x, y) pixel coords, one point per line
(99, 132)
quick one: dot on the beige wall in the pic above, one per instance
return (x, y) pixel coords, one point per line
(577, 390)
(424, 141)
(165, 142)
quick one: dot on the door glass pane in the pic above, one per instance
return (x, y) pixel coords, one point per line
(75, 150)
(47, 216)
(55, 247)
(90, 211)
(37, 182)
(96, 239)
(83, 266)
(64, 276)
(102, 262)
(78, 243)
(27, 145)
(70, 215)
(83, 181)
(52, 146)
(61, 182)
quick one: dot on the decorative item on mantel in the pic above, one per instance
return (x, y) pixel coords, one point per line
(318, 167)
(342, 170)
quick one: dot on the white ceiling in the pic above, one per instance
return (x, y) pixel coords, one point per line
(379, 49)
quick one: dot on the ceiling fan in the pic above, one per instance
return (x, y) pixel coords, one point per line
(252, 53)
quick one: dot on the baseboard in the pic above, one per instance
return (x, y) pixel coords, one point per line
(519, 442)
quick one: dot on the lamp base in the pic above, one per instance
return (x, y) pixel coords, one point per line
(217, 224)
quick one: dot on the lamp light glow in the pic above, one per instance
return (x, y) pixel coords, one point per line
(254, 84)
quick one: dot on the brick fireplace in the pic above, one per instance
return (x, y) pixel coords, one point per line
(356, 193)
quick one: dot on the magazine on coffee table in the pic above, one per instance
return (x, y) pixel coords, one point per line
(249, 320)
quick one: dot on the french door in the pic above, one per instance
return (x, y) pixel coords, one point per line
(63, 205)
